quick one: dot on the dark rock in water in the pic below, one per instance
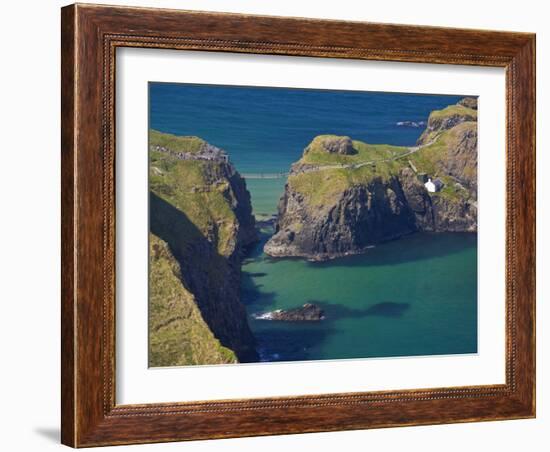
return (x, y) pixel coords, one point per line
(309, 312)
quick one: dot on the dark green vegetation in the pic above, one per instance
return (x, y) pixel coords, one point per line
(200, 222)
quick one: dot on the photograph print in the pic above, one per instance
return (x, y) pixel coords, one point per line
(302, 224)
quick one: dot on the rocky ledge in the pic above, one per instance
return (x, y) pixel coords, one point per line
(344, 196)
(309, 312)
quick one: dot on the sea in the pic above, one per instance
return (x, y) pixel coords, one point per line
(414, 296)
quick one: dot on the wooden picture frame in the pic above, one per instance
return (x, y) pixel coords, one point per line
(90, 36)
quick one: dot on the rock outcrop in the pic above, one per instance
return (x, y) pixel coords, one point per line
(468, 102)
(335, 145)
(309, 312)
(336, 205)
(200, 207)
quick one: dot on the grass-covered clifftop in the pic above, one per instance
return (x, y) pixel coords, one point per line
(186, 186)
(203, 189)
(176, 143)
(335, 173)
(200, 208)
(344, 195)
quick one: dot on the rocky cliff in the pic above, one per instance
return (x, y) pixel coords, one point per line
(200, 207)
(178, 334)
(344, 196)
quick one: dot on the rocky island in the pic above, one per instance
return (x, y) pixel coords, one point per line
(200, 224)
(344, 196)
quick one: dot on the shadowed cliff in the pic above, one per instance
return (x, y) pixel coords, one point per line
(200, 208)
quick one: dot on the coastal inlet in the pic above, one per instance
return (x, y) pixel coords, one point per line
(291, 225)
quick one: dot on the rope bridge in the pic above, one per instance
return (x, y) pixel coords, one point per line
(264, 175)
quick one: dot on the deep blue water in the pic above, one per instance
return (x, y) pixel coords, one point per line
(414, 296)
(266, 129)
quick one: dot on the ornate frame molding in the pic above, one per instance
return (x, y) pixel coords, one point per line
(90, 37)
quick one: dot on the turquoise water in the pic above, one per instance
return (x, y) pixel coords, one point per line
(413, 296)
(265, 194)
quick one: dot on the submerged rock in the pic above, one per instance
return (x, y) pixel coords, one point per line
(309, 312)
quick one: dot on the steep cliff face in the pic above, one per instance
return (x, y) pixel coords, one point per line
(354, 219)
(340, 203)
(178, 334)
(200, 207)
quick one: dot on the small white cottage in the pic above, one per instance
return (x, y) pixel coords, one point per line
(433, 186)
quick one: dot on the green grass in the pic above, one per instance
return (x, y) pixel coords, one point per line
(430, 158)
(324, 186)
(438, 116)
(451, 191)
(317, 155)
(187, 185)
(426, 159)
(191, 211)
(176, 143)
(454, 110)
(184, 184)
(178, 335)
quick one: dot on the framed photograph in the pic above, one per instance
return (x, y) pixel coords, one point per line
(280, 225)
